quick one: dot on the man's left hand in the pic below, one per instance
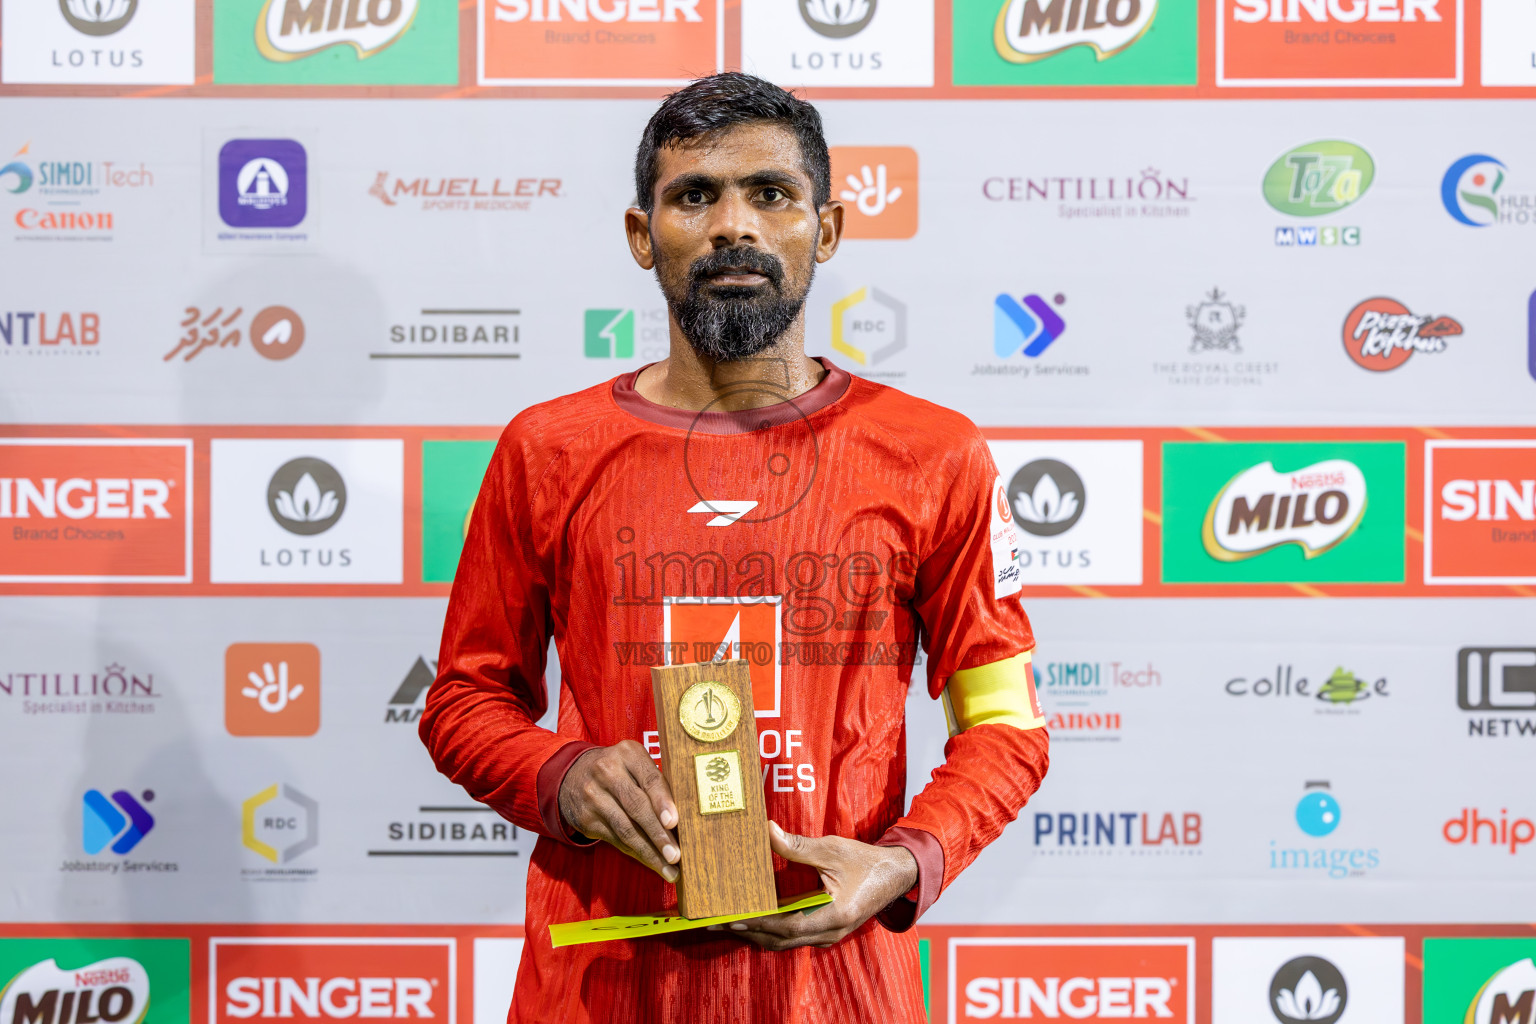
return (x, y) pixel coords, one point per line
(862, 879)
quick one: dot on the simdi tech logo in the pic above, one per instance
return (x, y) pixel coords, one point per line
(1091, 979)
(838, 42)
(1317, 179)
(1480, 981)
(335, 42)
(1480, 511)
(272, 978)
(62, 197)
(878, 188)
(1283, 512)
(98, 42)
(600, 42)
(1339, 42)
(1074, 42)
(95, 510)
(272, 689)
(77, 981)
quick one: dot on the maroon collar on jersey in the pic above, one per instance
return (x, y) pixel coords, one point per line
(828, 390)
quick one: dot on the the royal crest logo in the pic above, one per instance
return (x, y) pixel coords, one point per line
(1215, 322)
(1315, 508)
(290, 29)
(1031, 30)
(114, 990)
(1380, 334)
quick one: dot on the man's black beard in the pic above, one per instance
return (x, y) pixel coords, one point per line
(729, 323)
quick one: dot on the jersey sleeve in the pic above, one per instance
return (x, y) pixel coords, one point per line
(977, 641)
(479, 722)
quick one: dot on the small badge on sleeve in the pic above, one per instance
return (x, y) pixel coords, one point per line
(1007, 577)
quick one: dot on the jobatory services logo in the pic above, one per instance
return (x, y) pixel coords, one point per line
(1381, 334)
(869, 326)
(1473, 828)
(1029, 325)
(1339, 692)
(1497, 686)
(275, 332)
(279, 825)
(1480, 981)
(95, 510)
(1480, 511)
(271, 978)
(1508, 53)
(272, 689)
(120, 822)
(492, 193)
(1077, 505)
(114, 690)
(1318, 815)
(458, 333)
(1089, 979)
(1306, 980)
(67, 198)
(406, 704)
(1060, 42)
(591, 42)
(1342, 42)
(451, 473)
(46, 333)
(335, 42)
(839, 42)
(879, 189)
(97, 42)
(1283, 512)
(1317, 179)
(79, 980)
(297, 511)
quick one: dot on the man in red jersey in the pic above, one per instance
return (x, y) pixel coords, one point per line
(741, 499)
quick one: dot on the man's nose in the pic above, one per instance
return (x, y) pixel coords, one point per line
(733, 221)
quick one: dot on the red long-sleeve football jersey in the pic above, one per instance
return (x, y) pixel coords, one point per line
(832, 540)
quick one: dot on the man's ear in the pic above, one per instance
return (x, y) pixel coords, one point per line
(637, 228)
(831, 215)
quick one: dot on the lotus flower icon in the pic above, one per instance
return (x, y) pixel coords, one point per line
(1046, 503)
(837, 19)
(1047, 497)
(306, 496)
(1308, 1000)
(306, 503)
(1308, 990)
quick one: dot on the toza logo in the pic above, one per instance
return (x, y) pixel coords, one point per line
(1380, 334)
(1215, 322)
(837, 19)
(290, 29)
(121, 822)
(1031, 30)
(114, 990)
(1319, 178)
(1316, 508)
(1308, 990)
(306, 496)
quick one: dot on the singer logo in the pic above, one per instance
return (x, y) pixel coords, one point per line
(1480, 511)
(269, 979)
(82, 510)
(1081, 979)
(1338, 42)
(599, 42)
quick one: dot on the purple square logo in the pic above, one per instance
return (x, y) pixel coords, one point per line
(263, 183)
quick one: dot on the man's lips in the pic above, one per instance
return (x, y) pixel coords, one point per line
(736, 276)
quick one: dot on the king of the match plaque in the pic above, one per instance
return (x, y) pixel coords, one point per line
(709, 757)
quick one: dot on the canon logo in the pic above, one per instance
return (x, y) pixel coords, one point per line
(1488, 500)
(1250, 11)
(1078, 998)
(614, 10)
(83, 498)
(335, 998)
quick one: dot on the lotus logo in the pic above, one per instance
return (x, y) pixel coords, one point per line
(1308, 990)
(306, 496)
(1047, 497)
(1316, 508)
(837, 19)
(98, 17)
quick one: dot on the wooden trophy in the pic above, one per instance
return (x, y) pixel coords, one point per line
(709, 757)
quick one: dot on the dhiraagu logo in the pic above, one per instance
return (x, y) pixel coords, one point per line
(1319, 178)
(116, 981)
(451, 472)
(1480, 981)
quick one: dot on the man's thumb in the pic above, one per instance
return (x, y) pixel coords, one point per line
(799, 849)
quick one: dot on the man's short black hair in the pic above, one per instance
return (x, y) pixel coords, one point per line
(725, 101)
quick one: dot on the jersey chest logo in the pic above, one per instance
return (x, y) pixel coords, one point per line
(716, 628)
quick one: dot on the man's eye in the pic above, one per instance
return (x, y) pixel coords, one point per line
(693, 195)
(772, 195)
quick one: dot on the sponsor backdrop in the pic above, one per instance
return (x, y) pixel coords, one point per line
(1239, 290)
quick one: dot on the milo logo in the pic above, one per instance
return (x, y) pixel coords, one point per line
(114, 991)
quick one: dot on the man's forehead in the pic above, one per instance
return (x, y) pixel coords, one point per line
(734, 152)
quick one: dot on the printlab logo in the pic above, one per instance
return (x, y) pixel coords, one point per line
(72, 334)
(276, 332)
(1138, 833)
(1030, 327)
(405, 706)
(306, 496)
(837, 19)
(878, 186)
(272, 689)
(1497, 684)
(279, 824)
(1029, 30)
(98, 17)
(263, 183)
(1380, 334)
(1215, 322)
(1047, 497)
(121, 822)
(1308, 990)
(1314, 180)
(869, 326)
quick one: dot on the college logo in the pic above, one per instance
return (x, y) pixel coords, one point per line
(878, 187)
(1084, 979)
(1341, 689)
(1031, 326)
(1474, 829)
(451, 473)
(279, 824)
(296, 511)
(1480, 511)
(1497, 683)
(592, 42)
(276, 332)
(272, 689)
(1302, 980)
(717, 628)
(405, 706)
(79, 510)
(1215, 322)
(1380, 334)
(1319, 178)
(1480, 981)
(263, 183)
(121, 822)
(1283, 512)
(1031, 30)
(1342, 42)
(268, 979)
(869, 326)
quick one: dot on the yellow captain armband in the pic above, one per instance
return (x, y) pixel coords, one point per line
(1002, 692)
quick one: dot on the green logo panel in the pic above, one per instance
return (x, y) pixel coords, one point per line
(451, 472)
(1366, 546)
(139, 981)
(609, 334)
(1492, 980)
(1075, 42)
(335, 42)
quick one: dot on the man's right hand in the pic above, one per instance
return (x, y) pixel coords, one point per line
(618, 795)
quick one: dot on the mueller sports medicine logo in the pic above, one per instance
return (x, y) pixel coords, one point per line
(290, 29)
(1338, 42)
(1380, 334)
(1031, 30)
(474, 194)
(318, 979)
(1480, 511)
(1498, 686)
(88, 510)
(114, 990)
(998, 977)
(1316, 508)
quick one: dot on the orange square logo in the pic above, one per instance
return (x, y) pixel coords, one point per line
(1480, 511)
(878, 187)
(696, 629)
(1338, 42)
(599, 42)
(272, 689)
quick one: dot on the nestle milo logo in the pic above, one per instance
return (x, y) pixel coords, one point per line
(1318, 178)
(1031, 30)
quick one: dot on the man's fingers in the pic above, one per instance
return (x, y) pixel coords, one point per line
(634, 801)
(656, 789)
(623, 834)
(799, 849)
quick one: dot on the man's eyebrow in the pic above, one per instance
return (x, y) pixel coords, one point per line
(757, 179)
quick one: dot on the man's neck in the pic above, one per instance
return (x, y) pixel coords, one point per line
(688, 380)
